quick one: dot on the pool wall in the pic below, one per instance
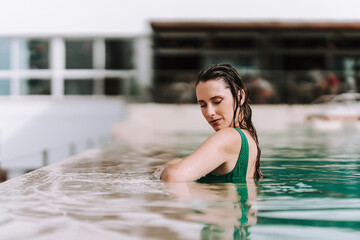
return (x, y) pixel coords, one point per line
(38, 132)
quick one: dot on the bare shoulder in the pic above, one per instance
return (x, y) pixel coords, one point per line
(227, 134)
(228, 138)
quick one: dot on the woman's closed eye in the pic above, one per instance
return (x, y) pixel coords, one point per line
(202, 103)
(214, 102)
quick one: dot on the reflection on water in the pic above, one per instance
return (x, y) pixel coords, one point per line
(312, 191)
(222, 219)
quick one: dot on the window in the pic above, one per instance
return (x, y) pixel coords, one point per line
(242, 63)
(79, 86)
(34, 54)
(233, 43)
(114, 86)
(119, 54)
(34, 86)
(177, 62)
(4, 54)
(347, 42)
(73, 66)
(178, 43)
(4, 86)
(304, 43)
(303, 62)
(79, 54)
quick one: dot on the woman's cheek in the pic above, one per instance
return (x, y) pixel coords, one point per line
(203, 112)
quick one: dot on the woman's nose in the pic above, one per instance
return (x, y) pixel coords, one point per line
(210, 111)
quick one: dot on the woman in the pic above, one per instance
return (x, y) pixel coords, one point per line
(232, 153)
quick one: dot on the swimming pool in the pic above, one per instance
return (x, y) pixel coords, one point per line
(311, 191)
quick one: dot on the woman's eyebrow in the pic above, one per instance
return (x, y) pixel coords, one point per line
(216, 97)
(212, 98)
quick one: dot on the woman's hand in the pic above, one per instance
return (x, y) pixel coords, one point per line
(157, 174)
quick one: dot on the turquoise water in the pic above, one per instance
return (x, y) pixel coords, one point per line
(311, 191)
(313, 183)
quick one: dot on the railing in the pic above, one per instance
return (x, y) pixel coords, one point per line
(14, 166)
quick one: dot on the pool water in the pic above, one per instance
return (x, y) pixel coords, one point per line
(311, 191)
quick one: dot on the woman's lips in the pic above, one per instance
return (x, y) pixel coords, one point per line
(215, 122)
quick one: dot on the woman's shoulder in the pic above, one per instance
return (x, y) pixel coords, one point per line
(227, 136)
(228, 132)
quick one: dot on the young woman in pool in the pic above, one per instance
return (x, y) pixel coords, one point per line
(232, 153)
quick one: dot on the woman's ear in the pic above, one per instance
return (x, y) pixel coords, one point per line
(241, 97)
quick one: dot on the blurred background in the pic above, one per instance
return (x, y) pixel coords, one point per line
(69, 69)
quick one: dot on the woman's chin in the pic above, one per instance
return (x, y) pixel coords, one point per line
(216, 128)
(220, 126)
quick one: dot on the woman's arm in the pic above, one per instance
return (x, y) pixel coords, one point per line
(174, 161)
(157, 173)
(219, 148)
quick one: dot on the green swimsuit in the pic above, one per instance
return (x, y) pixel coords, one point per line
(238, 174)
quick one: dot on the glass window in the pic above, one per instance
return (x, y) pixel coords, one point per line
(177, 43)
(35, 86)
(242, 63)
(4, 86)
(79, 86)
(114, 86)
(4, 54)
(34, 54)
(175, 62)
(303, 61)
(79, 54)
(346, 42)
(235, 43)
(119, 54)
(134, 88)
(304, 43)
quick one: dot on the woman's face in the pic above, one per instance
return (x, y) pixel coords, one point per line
(216, 102)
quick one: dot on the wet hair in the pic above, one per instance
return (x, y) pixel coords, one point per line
(233, 81)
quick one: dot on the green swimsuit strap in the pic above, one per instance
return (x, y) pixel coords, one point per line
(242, 162)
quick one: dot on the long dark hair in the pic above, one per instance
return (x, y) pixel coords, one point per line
(233, 81)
